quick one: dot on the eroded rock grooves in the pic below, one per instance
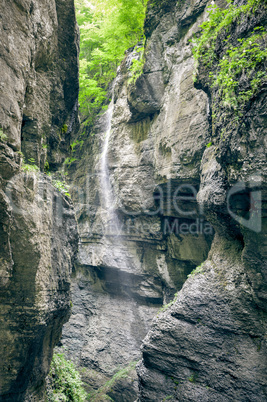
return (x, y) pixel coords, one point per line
(38, 231)
(175, 154)
(209, 345)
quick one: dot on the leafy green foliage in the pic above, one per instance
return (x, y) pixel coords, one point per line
(197, 270)
(101, 393)
(166, 306)
(245, 58)
(29, 167)
(3, 137)
(64, 381)
(64, 129)
(61, 186)
(69, 161)
(46, 166)
(137, 66)
(108, 28)
(75, 143)
(193, 377)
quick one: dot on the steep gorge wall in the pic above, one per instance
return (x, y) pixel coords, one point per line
(174, 154)
(210, 345)
(38, 231)
(160, 128)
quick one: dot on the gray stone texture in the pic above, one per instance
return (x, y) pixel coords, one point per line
(160, 128)
(210, 344)
(38, 230)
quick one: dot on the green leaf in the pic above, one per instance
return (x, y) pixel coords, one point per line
(3, 137)
(65, 383)
(107, 28)
(247, 58)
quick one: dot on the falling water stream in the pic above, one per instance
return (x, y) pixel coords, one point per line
(112, 225)
(107, 195)
(107, 198)
(118, 254)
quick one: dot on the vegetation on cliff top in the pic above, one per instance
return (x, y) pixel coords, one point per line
(243, 57)
(107, 28)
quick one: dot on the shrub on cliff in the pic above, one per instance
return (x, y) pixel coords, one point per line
(64, 381)
(243, 57)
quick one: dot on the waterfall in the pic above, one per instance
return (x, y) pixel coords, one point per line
(107, 196)
(116, 248)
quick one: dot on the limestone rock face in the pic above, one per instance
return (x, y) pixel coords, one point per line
(35, 283)
(38, 230)
(172, 170)
(160, 128)
(39, 76)
(210, 345)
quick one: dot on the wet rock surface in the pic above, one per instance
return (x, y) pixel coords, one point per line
(210, 344)
(35, 291)
(39, 76)
(125, 274)
(171, 171)
(38, 230)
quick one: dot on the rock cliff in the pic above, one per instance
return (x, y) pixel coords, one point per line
(160, 128)
(210, 345)
(175, 156)
(38, 231)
